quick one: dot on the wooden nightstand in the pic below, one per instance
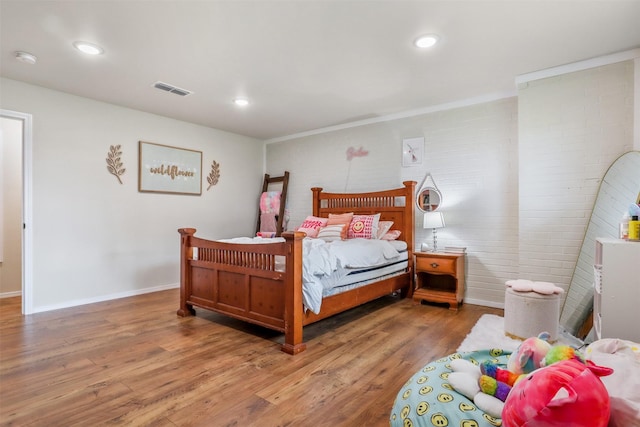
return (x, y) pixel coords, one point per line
(439, 278)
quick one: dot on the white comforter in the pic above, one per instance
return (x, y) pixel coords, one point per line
(320, 259)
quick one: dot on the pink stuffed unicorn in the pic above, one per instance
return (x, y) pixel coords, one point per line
(566, 393)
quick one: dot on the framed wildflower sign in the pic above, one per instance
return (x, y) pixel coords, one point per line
(166, 169)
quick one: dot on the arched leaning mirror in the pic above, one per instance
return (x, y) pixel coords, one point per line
(429, 197)
(619, 188)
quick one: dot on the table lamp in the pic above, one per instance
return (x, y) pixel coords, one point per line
(433, 220)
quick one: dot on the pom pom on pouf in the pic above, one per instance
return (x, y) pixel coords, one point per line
(567, 393)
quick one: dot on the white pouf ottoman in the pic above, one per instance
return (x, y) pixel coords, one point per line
(527, 312)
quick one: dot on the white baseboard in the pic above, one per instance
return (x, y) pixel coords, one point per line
(491, 304)
(102, 298)
(10, 294)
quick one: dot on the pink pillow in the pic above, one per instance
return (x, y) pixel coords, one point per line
(311, 225)
(391, 235)
(341, 219)
(363, 226)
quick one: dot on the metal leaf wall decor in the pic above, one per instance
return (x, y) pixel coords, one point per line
(114, 165)
(214, 175)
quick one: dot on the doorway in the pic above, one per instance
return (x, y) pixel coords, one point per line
(16, 129)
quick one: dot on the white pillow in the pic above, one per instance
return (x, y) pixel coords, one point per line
(383, 228)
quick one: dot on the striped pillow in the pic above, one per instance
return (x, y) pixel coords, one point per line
(345, 218)
(331, 232)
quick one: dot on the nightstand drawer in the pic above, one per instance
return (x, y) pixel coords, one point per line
(436, 265)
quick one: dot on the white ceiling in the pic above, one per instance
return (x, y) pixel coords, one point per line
(304, 65)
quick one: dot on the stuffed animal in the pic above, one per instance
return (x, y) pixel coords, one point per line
(493, 387)
(465, 380)
(561, 352)
(494, 371)
(562, 394)
(529, 354)
(489, 385)
(496, 381)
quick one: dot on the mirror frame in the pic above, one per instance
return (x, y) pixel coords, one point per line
(621, 176)
(434, 199)
(429, 185)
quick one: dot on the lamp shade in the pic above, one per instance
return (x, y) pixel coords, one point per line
(433, 220)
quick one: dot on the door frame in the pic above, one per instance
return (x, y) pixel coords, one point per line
(27, 206)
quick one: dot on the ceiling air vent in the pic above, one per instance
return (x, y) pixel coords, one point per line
(171, 88)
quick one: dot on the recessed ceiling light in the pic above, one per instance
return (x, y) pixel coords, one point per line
(26, 57)
(88, 48)
(241, 102)
(426, 41)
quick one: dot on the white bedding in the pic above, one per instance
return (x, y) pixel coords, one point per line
(347, 276)
(320, 259)
(624, 384)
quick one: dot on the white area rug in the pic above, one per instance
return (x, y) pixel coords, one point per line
(488, 332)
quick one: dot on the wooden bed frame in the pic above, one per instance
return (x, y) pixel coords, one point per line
(245, 282)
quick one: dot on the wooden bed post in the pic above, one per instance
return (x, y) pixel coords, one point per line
(293, 307)
(316, 200)
(186, 254)
(410, 224)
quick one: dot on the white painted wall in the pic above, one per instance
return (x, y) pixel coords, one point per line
(96, 239)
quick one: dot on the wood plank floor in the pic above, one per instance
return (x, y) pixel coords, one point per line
(132, 361)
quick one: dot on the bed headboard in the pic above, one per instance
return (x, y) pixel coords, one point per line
(397, 205)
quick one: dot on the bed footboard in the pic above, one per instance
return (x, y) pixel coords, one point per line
(260, 283)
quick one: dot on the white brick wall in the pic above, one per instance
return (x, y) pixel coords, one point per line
(571, 128)
(472, 155)
(519, 175)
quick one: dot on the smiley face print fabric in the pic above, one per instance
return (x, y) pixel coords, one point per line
(428, 400)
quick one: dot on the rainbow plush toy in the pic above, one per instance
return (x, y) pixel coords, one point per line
(560, 385)
(566, 393)
(496, 381)
(499, 374)
(529, 355)
(561, 352)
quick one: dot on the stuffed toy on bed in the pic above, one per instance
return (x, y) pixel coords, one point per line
(530, 354)
(489, 385)
(566, 393)
(487, 392)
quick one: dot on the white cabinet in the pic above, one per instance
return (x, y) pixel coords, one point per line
(616, 303)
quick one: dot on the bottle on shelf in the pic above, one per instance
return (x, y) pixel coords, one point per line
(634, 228)
(624, 226)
